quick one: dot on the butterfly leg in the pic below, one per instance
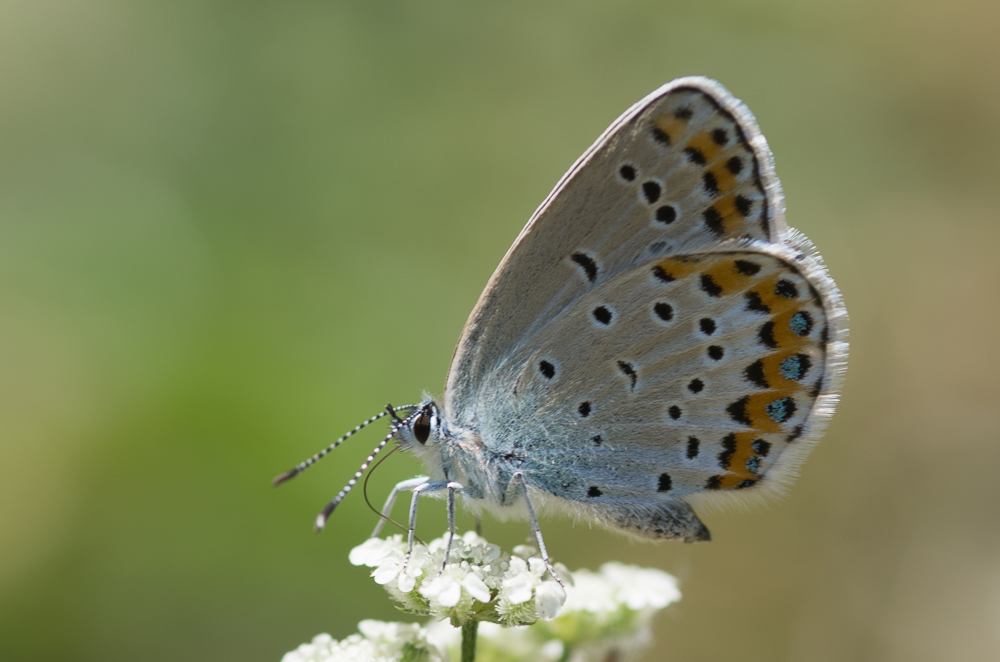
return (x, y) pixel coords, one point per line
(403, 486)
(431, 486)
(535, 529)
(452, 486)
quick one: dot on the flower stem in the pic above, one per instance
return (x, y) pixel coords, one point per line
(469, 633)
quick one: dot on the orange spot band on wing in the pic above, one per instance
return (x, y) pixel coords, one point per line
(724, 180)
(670, 125)
(741, 459)
(728, 276)
(704, 143)
(677, 268)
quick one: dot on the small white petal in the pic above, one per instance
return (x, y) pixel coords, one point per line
(449, 592)
(322, 640)
(372, 629)
(369, 553)
(406, 582)
(517, 565)
(549, 598)
(524, 551)
(517, 589)
(639, 588)
(476, 587)
(385, 573)
(536, 566)
(443, 590)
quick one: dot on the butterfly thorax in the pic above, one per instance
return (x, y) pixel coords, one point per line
(454, 453)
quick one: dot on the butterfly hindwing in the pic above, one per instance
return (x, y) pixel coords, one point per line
(690, 374)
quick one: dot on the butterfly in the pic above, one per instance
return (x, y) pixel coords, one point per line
(655, 338)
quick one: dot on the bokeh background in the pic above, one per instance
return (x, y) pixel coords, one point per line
(229, 231)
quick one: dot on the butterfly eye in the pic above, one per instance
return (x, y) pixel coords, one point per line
(422, 428)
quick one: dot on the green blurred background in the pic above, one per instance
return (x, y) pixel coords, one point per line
(230, 231)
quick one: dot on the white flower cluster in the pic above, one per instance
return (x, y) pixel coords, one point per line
(619, 586)
(607, 616)
(479, 583)
(599, 616)
(378, 642)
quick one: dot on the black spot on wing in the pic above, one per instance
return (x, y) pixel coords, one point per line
(755, 374)
(587, 264)
(738, 411)
(628, 371)
(602, 315)
(756, 304)
(666, 214)
(786, 289)
(728, 450)
(709, 285)
(710, 183)
(743, 205)
(695, 155)
(665, 483)
(747, 268)
(651, 191)
(662, 275)
(713, 221)
(766, 335)
(692, 448)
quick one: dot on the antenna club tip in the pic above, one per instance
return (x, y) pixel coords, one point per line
(320, 522)
(281, 478)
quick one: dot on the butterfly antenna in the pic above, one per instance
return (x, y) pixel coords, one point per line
(292, 473)
(325, 514)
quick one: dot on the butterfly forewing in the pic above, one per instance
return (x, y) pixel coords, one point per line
(685, 168)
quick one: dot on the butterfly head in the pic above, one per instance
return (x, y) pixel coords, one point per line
(422, 430)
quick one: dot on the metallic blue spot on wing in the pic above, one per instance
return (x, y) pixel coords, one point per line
(781, 409)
